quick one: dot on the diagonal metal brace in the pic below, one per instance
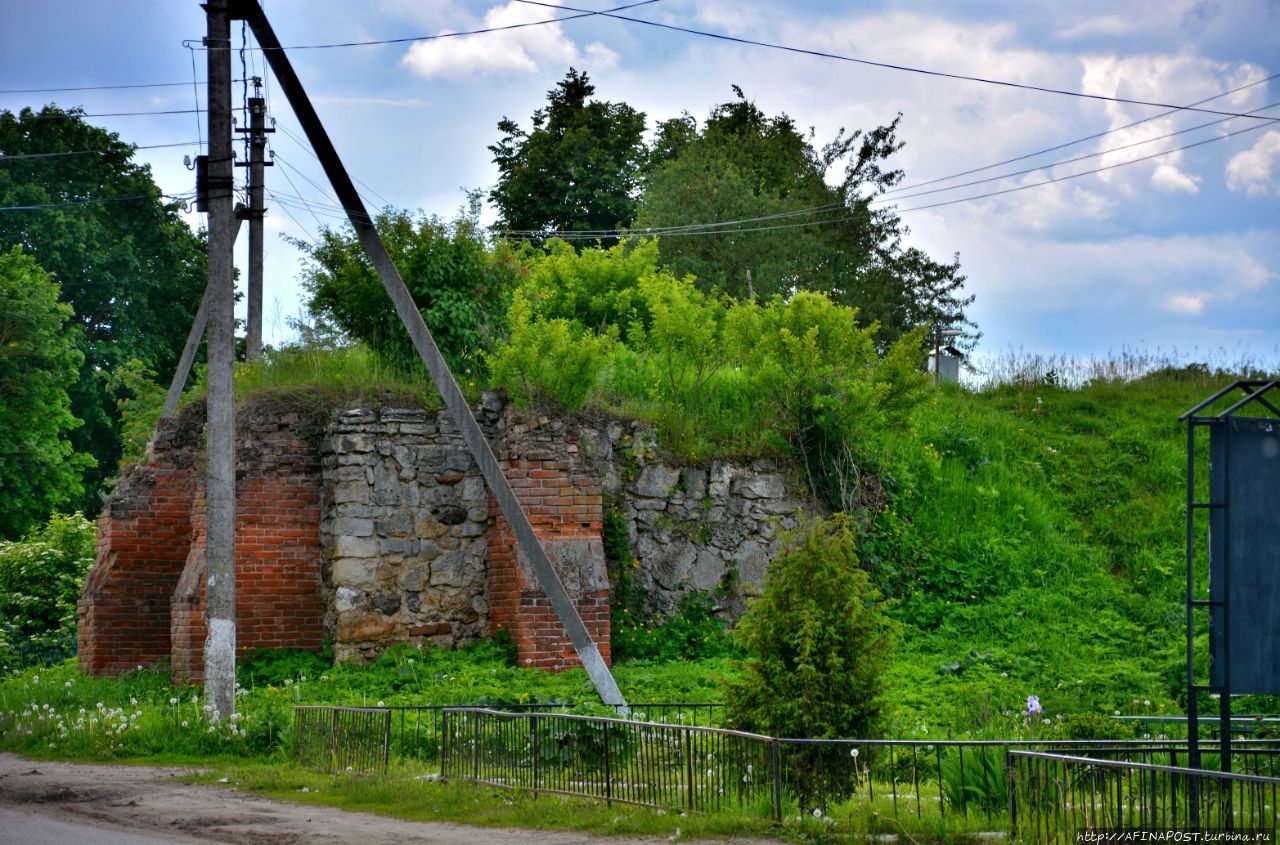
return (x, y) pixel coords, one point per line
(455, 402)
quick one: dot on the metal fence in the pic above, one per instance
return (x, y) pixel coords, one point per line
(707, 768)
(416, 729)
(342, 739)
(698, 769)
(1054, 798)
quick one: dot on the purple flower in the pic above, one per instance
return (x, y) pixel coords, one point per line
(1033, 706)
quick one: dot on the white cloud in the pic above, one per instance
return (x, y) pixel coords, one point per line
(1254, 170)
(1167, 177)
(1185, 303)
(1105, 25)
(515, 51)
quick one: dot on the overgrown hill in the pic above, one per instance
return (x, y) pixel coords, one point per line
(1036, 547)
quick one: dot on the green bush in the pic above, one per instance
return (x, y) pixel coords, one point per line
(818, 642)
(549, 360)
(41, 578)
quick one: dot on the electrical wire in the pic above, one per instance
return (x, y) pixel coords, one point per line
(305, 146)
(98, 87)
(323, 190)
(102, 201)
(1272, 121)
(274, 198)
(72, 115)
(295, 190)
(705, 228)
(887, 198)
(1004, 83)
(20, 156)
(582, 13)
(1066, 144)
(289, 214)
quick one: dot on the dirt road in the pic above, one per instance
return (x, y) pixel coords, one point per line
(151, 802)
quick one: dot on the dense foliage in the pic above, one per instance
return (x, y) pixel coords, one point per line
(576, 169)
(39, 361)
(128, 265)
(461, 286)
(799, 231)
(40, 581)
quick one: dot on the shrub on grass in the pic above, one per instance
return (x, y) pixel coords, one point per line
(40, 581)
(819, 646)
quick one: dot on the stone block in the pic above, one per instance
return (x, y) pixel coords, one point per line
(345, 599)
(759, 487)
(655, 482)
(357, 573)
(347, 546)
(351, 526)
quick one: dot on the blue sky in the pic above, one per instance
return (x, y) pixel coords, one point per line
(1178, 252)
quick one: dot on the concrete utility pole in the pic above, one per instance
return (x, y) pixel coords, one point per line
(257, 147)
(220, 489)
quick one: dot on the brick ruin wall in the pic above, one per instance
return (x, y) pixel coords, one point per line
(379, 530)
(375, 527)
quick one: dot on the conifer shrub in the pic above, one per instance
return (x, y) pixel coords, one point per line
(819, 644)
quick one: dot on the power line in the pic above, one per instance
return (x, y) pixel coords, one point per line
(286, 210)
(886, 198)
(98, 87)
(289, 179)
(583, 13)
(706, 228)
(887, 65)
(104, 200)
(73, 115)
(4, 157)
(1066, 144)
(662, 230)
(305, 146)
(1271, 121)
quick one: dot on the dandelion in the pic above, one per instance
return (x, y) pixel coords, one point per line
(853, 752)
(173, 701)
(67, 685)
(185, 723)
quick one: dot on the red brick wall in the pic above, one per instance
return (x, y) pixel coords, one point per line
(563, 502)
(279, 597)
(144, 532)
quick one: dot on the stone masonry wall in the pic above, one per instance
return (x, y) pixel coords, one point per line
(380, 529)
(403, 533)
(711, 529)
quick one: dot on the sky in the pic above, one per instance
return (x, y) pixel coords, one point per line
(1178, 253)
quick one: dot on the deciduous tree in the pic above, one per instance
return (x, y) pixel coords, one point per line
(39, 360)
(129, 267)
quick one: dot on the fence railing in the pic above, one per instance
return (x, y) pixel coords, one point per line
(696, 768)
(655, 764)
(679, 763)
(416, 729)
(342, 739)
(1054, 797)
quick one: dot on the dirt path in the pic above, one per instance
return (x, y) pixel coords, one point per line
(150, 800)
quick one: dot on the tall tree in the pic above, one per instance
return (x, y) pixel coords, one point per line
(577, 169)
(131, 269)
(39, 360)
(743, 166)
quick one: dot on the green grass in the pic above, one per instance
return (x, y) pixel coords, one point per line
(412, 792)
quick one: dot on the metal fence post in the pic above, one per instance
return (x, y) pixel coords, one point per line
(386, 743)
(688, 763)
(533, 722)
(608, 769)
(777, 781)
